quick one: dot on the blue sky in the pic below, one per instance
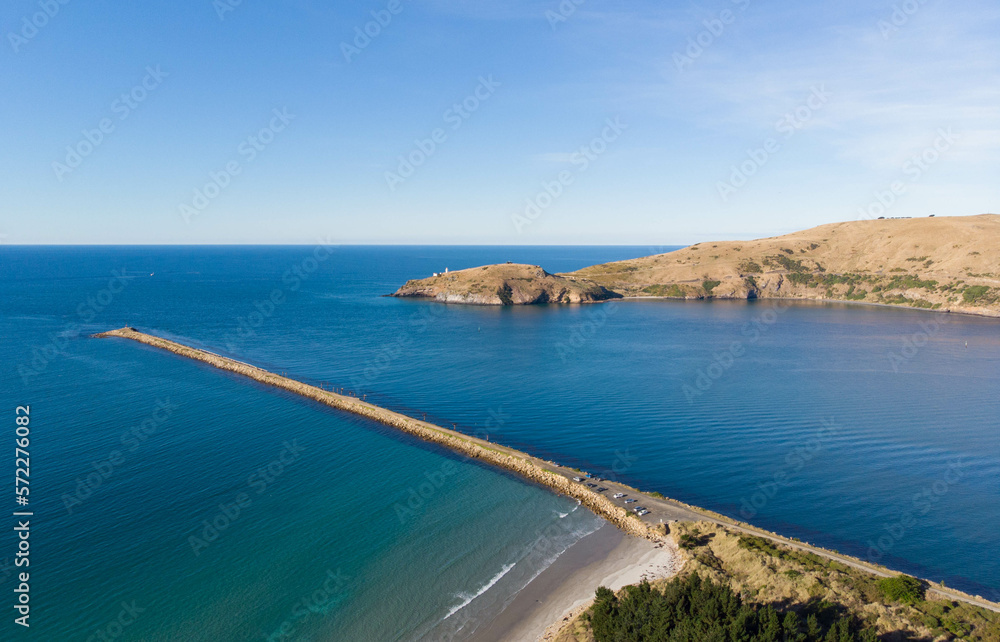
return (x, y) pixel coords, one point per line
(727, 119)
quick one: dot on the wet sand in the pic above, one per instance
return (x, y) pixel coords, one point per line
(606, 557)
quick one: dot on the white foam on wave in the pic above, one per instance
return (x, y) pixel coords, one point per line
(467, 598)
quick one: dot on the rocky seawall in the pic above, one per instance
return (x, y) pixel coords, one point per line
(528, 467)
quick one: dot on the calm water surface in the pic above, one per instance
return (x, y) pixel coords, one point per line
(871, 430)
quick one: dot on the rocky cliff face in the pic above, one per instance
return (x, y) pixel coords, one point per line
(505, 284)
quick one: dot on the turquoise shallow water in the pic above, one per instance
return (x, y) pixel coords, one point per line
(819, 421)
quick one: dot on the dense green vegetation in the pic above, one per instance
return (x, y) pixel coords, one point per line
(710, 285)
(785, 262)
(907, 282)
(672, 290)
(902, 588)
(974, 293)
(692, 610)
(855, 295)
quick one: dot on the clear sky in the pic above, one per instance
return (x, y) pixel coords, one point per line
(648, 122)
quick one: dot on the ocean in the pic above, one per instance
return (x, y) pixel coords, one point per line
(173, 501)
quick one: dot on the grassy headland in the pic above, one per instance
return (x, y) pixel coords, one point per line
(941, 263)
(505, 284)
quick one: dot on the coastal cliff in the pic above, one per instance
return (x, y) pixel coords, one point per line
(505, 284)
(950, 264)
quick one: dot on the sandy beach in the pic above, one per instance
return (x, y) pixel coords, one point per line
(606, 557)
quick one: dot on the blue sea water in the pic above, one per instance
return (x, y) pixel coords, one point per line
(874, 431)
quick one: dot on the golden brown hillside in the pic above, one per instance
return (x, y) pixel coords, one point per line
(941, 263)
(948, 263)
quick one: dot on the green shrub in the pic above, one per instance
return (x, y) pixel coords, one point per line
(855, 295)
(710, 285)
(974, 293)
(908, 282)
(901, 588)
(785, 262)
(672, 290)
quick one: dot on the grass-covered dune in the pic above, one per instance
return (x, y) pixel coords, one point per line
(736, 586)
